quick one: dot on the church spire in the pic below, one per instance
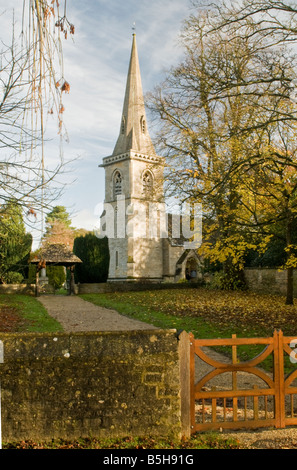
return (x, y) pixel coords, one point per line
(133, 132)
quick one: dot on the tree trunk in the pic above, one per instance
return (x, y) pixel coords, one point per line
(290, 288)
(290, 270)
(72, 282)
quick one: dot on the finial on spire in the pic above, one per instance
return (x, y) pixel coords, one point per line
(134, 28)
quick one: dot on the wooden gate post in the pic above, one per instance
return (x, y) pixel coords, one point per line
(279, 379)
(192, 381)
(185, 382)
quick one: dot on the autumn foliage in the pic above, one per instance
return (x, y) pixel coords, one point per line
(227, 124)
(245, 313)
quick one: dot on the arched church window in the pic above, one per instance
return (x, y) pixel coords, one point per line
(147, 183)
(142, 124)
(117, 183)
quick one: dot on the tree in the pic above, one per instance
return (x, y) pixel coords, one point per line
(20, 170)
(272, 207)
(276, 20)
(58, 213)
(58, 228)
(94, 253)
(32, 89)
(15, 245)
(58, 231)
(222, 116)
(201, 131)
(272, 26)
(56, 276)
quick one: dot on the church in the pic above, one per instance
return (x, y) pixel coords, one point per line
(145, 243)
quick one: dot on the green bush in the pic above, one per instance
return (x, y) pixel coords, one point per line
(94, 253)
(231, 280)
(56, 276)
(13, 277)
(31, 274)
(216, 281)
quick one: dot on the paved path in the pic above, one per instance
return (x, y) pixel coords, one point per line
(76, 314)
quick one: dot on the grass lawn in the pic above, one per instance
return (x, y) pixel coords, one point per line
(23, 313)
(207, 440)
(205, 313)
(208, 313)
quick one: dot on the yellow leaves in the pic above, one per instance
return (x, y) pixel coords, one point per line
(232, 248)
(224, 310)
(291, 261)
(192, 173)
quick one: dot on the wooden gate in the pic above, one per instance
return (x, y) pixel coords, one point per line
(241, 394)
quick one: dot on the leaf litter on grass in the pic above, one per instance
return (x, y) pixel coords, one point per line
(224, 309)
(10, 320)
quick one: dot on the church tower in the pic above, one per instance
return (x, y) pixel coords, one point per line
(134, 200)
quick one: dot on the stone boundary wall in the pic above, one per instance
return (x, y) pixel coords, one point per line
(96, 288)
(268, 280)
(109, 287)
(17, 288)
(100, 384)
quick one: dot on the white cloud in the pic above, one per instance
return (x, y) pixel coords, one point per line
(85, 219)
(96, 65)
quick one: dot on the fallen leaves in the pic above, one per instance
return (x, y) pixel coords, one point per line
(237, 309)
(199, 441)
(10, 321)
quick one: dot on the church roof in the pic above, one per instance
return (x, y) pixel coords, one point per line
(134, 133)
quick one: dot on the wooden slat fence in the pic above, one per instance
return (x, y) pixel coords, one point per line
(252, 398)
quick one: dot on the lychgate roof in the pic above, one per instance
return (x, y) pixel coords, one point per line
(57, 254)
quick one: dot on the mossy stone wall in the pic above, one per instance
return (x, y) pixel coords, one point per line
(105, 384)
(268, 280)
(109, 287)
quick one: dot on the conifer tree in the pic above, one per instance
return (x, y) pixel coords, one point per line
(15, 244)
(94, 253)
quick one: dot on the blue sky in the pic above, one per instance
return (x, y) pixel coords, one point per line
(96, 64)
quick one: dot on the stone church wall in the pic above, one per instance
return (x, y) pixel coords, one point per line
(118, 258)
(107, 384)
(148, 259)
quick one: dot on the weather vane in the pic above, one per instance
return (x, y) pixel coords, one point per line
(134, 27)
